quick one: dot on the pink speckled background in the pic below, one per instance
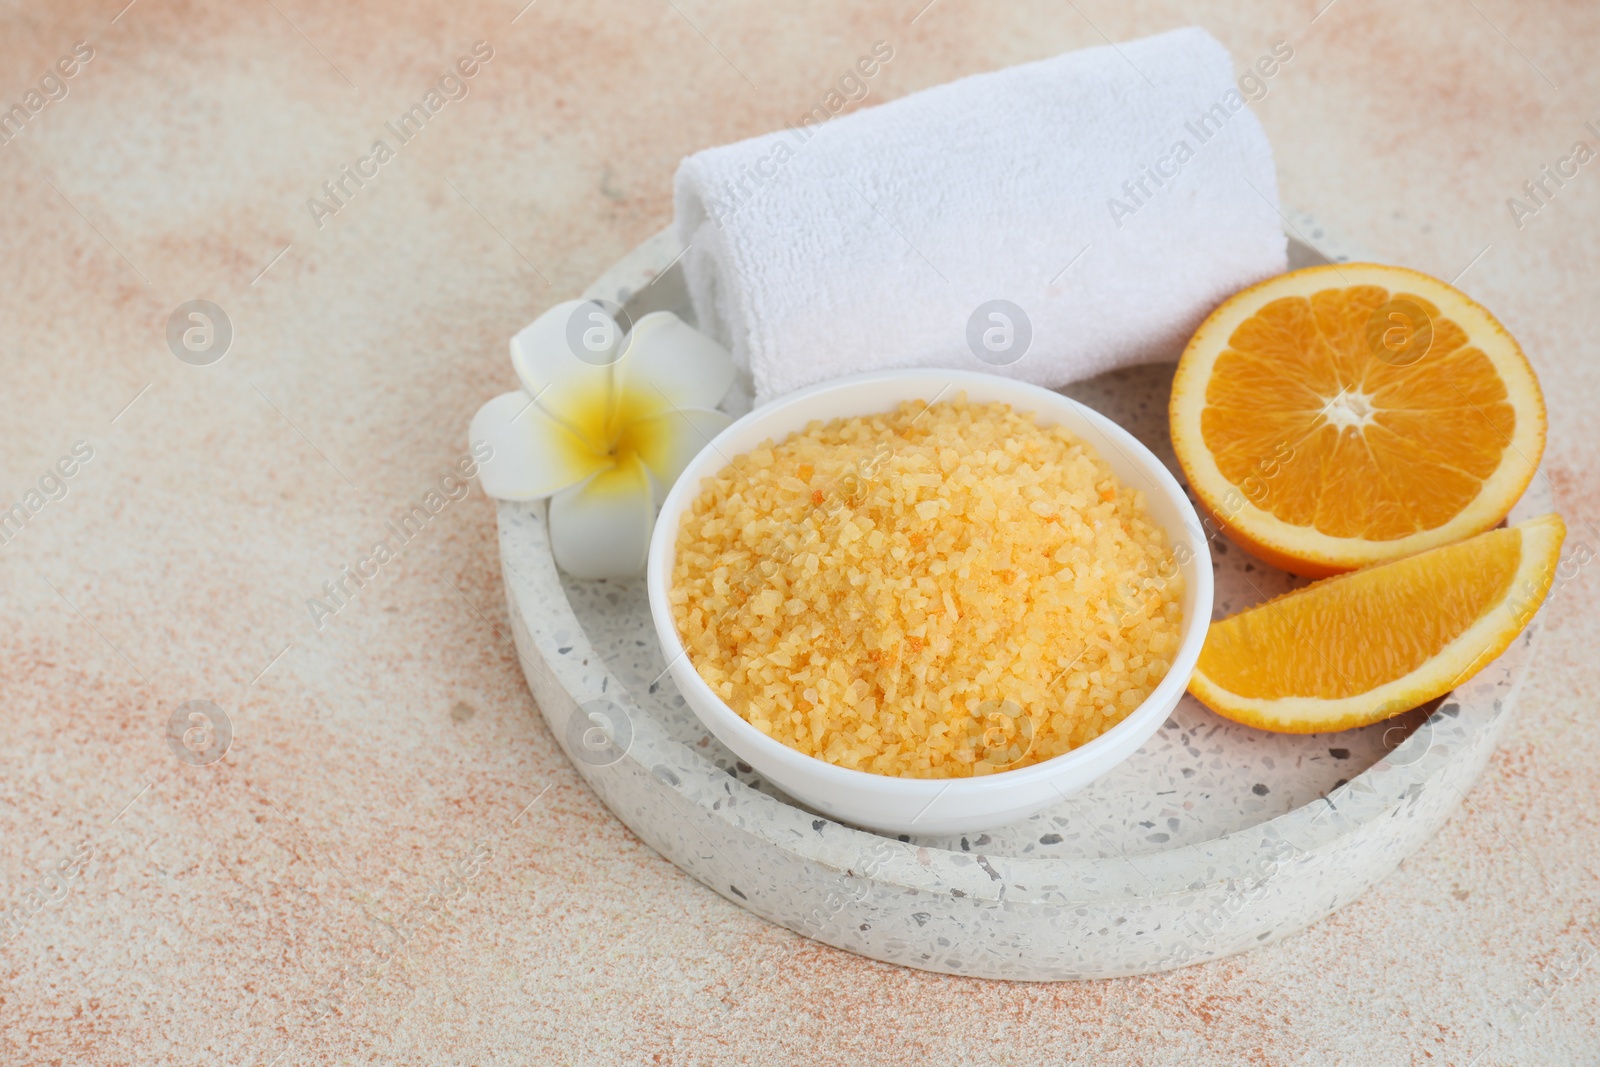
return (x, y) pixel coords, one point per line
(219, 903)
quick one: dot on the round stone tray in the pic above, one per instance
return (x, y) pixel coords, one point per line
(1211, 839)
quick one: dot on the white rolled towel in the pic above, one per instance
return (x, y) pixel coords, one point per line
(1049, 221)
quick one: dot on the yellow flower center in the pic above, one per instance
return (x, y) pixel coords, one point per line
(615, 425)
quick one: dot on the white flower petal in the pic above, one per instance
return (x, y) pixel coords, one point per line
(671, 360)
(669, 441)
(545, 353)
(601, 529)
(534, 455)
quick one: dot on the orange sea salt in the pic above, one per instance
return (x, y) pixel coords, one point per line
(931, 592)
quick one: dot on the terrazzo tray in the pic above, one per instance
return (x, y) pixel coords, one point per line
(1212, 839)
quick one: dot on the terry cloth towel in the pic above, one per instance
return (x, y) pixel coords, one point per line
(1049, 222)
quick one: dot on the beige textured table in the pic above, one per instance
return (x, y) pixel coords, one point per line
(393, 862)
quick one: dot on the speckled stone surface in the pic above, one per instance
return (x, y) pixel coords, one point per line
(395, 831)
(1212, 839)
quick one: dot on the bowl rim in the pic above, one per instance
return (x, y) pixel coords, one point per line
(712, 457)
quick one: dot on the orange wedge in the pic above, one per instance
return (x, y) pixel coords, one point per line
(1339, 416)
(1360, 647)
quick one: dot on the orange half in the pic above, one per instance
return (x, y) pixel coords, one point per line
(1339, 416)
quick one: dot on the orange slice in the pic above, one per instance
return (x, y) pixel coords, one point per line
(1339, 416)
(1360, 647)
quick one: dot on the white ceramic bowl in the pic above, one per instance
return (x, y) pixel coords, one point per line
(938, 805)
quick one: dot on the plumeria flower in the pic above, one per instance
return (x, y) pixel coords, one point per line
(603, 425)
